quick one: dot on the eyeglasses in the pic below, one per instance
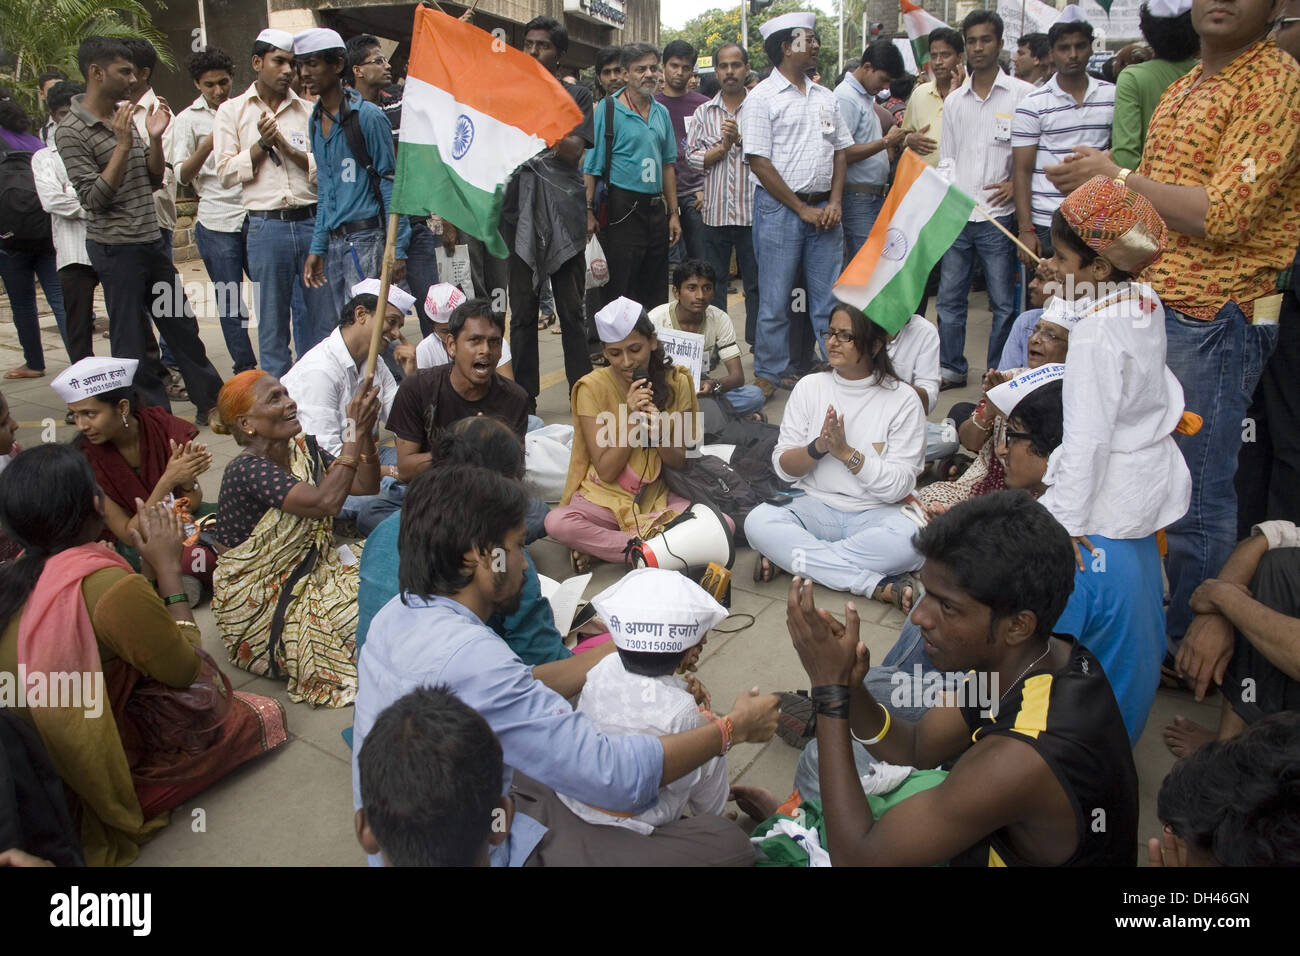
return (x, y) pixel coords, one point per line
(377, 61)
(843, 336)
(1024, 436)
(1047, 334)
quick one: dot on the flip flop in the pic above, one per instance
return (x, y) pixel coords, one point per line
(23, 371)
(896, 583)
(758, 570)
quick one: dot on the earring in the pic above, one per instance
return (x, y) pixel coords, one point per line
(125, 423)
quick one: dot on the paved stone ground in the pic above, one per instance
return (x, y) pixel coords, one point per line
(294, 807)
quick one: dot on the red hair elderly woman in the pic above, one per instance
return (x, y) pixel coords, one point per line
(284, 596)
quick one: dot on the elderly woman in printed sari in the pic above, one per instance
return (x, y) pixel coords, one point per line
(135, 716)
(284, 596)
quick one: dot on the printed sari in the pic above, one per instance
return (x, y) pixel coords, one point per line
(287, 604)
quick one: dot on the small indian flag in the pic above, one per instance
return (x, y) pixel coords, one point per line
(921, 217)
(918, 25)
(473, 110)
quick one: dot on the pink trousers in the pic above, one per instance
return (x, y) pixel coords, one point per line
(594, 530)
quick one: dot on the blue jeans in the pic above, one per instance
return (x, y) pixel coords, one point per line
(223, 256)
(1218, 364)
(782, 243)
(718, 243)
(421, 269)
(860, 212)
(745, 400)
(349, 259)
(998, 255)
(842, 550)
(277, 253)
(691, 244)
(19, 271)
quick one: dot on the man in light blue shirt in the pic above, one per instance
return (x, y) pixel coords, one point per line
(351, 222)
(866, 177)
(458, 567)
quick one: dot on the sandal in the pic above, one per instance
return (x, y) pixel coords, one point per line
(788, 382)
(23, 371)
(898, 584)
(796, 718)
(176, 390)
(545, 322)
(761, 574)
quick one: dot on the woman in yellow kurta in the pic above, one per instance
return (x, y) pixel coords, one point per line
(630, 419)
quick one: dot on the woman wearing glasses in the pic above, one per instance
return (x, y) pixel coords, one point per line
(853, 441)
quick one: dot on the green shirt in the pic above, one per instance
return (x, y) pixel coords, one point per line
(641, 149)
(1137, 91)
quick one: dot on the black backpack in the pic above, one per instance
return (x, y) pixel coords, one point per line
(711, 480)
(24, 223)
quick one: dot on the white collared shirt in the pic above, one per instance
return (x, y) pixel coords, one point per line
(164, 198)
(623, 704)
(914, 353)
(59, 199)
(798, 132)
(234, 131)
(1052, 120)
(1118, 472)
(221, 207)
(977, 138)
(323, 381)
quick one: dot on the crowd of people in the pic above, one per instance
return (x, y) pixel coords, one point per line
(1118, 510)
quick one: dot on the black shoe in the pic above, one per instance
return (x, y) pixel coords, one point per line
(947, 383)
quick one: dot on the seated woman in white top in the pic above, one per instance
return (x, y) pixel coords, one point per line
(853, 440)
(440, 301)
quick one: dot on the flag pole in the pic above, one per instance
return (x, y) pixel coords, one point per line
(381, 308)
(1006, 232)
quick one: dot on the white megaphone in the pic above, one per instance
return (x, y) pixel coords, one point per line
(688, 542)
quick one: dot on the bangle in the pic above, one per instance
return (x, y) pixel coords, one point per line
(883, 730)
(344, 462)
(831, 700)
(171, 599)
(814, 454)
(1122, 175)
(724, 724)
(368, 459)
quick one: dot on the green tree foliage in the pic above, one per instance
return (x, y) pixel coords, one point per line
(36, 35)
(712, 28)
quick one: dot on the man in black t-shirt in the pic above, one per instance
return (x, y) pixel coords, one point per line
(435, 398)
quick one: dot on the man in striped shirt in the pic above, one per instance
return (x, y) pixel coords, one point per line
(714, 146)
(1071, 109)
(115, 172)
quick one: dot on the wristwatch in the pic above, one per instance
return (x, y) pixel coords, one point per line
(855, 460)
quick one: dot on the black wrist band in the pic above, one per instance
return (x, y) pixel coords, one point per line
(814, 453)
(832, 700)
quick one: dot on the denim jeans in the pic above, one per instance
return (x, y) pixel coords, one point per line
(349, 259)
(19, 271)
(718, 243)
(745, 400)
(998, 255)
(277, 252)
(421, 268)
(223, 257)
(860, 212)
(1218, 363)
(691, 244)
(782, 244)
(842, 550)
(353, 505)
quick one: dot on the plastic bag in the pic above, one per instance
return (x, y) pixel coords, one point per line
(597, 265)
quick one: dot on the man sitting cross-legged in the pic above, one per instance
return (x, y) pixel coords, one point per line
(459, 565)
(1042, 775)
(1245, 636)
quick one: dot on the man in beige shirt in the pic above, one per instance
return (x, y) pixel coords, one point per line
(261, 143)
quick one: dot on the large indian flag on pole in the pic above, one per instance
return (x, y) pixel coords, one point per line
(473, 110)
(920, 219)
(918, 25)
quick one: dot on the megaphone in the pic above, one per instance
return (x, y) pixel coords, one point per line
(689, 542)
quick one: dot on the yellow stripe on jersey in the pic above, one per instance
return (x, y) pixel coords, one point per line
(1031, 719)
(994, 859)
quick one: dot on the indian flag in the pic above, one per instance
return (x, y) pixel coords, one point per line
(918, 25)
(473, 110)
(920, 219)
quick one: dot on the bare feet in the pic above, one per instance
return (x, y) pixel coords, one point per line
(23, 371)
(1184, 736)
(581, 562)
(756, 802)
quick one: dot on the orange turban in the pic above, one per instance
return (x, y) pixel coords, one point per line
(1118, 223)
